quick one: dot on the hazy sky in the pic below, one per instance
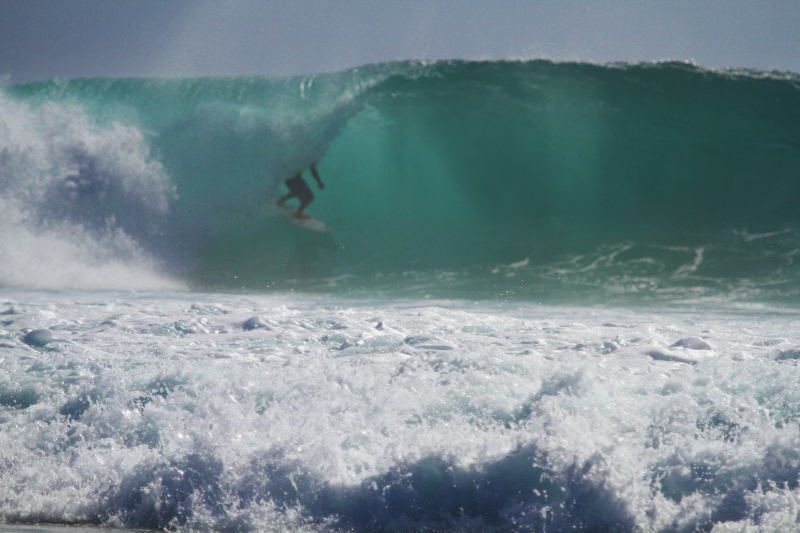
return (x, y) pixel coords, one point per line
(42, 39)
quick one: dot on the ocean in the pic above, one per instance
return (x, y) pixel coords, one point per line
(555, 297)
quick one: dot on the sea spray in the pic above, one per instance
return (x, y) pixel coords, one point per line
(78, 200)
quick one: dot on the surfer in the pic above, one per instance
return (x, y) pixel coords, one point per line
(299, 189)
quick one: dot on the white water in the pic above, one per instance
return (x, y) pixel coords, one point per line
(74, 196)
(155, 410)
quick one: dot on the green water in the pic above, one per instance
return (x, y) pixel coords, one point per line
(467, 167)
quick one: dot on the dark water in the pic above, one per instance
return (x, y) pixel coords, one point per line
(474, 179)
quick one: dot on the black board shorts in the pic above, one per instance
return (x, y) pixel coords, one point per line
(298, 187)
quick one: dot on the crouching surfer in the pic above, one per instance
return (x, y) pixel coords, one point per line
(299, 189)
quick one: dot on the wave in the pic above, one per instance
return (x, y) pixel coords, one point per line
(437, 167)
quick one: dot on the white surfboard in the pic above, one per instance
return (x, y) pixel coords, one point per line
(311, 224)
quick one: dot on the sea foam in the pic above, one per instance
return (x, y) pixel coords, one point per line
(77, 199)
(173, 411)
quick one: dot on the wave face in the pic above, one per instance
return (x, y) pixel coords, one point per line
(674, 171)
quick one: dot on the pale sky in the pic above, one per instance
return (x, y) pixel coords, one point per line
(43, 39)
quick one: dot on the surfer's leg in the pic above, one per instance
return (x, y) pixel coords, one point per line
(297, 188)
(282, 199)
(304, 194)
(303, 204)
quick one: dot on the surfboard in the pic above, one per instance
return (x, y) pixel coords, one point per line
(311, 224)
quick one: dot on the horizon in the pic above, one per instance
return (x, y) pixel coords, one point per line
(41, 40)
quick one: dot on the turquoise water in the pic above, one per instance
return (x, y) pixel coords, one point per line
(449, 170)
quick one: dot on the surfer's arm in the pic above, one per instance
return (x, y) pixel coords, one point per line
(316, 176)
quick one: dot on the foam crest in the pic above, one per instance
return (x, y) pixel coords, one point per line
(77, 200)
